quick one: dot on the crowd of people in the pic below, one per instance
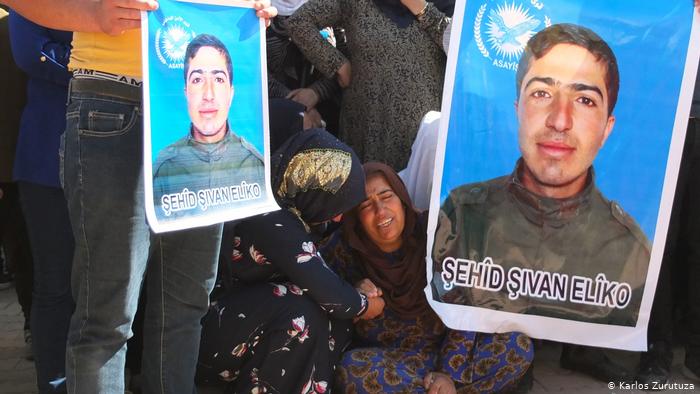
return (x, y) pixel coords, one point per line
(326, 293)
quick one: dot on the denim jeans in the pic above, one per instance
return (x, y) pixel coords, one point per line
(51, 240)
(103, 183)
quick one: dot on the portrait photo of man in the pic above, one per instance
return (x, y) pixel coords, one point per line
(210, 161)
(548, 215)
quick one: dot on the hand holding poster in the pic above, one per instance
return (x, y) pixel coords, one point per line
(206, 131)
(565, 121)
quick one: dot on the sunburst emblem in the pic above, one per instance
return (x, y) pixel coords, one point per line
(174, 44)
(172, 40)
(509, 29)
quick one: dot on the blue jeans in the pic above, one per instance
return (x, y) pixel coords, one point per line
(103, 183)
(51, 240)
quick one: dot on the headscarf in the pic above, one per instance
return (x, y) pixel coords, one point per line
(316, 176)
(287, 7)
(401, 276)
(399, 14)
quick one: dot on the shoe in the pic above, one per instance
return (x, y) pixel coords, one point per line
(691, 367)
(29, 353)
(653, 370)
(592, 362)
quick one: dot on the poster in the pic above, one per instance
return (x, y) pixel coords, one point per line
(562, 130)
(205, 114)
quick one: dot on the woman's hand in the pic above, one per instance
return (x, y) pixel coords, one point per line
(415, 6)
(368, 288)
(375, 302)
(312, 119)
(344, 75)
(264, 10)
(375, 306)
(304, 96)
(438, 383)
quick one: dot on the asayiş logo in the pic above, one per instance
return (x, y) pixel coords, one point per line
(171, 41)
(507, 28)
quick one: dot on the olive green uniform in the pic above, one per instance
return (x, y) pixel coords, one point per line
(195, 166)
(584, 235)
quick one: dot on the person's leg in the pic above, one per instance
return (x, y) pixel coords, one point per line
(655, 363)
(18, 255)
(395, 354)
(383, 370)
(5, 276)
(51, 239)
(496, 362)
(692, 241)
(265, 337)
(180, 277)
(103, 183)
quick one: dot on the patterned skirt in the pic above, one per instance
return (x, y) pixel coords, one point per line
(397, 354)
(270, 338)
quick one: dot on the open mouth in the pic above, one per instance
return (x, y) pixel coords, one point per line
(385, 223)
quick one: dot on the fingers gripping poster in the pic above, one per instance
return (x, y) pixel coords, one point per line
(205, 114)
(561, 137)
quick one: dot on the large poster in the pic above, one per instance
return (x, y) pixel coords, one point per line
(563, 125)
(206, 156)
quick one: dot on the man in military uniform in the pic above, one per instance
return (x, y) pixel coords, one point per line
(548, 215)
(210, 157)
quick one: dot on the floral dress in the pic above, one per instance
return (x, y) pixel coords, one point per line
(282, 324)
(392, 354)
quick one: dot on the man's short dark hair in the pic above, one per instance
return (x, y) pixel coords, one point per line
(207, 40)
(566, 33)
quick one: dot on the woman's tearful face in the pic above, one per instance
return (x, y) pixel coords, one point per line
(382, 214)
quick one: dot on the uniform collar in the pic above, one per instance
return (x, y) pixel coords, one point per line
(209, 152)
(554, 212)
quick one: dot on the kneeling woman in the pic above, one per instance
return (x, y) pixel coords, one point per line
(285, 317)
(407, 348)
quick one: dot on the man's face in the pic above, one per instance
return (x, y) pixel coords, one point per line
(209, 93)
(564, 121)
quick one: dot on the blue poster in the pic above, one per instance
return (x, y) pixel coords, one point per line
(205, 114)
(563, 123)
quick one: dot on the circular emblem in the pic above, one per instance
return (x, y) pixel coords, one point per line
(502, 29)
(171, 41)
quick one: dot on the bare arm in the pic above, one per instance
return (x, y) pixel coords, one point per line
(415, 6)
(106, 16)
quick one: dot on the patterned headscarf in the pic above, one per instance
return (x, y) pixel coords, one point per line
(316, 176)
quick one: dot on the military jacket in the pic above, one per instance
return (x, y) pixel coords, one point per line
(581, 258)
(221, 173)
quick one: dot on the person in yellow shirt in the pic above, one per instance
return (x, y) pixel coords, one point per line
(102, 159)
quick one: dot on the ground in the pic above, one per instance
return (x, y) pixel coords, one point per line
(17, 374)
